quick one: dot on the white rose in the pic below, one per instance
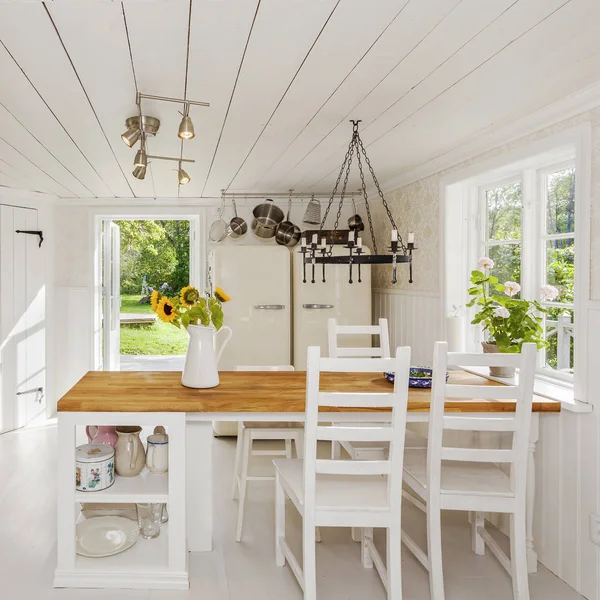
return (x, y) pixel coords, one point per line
(485, 263)
(511, 288)
(501, 312)
(548, 292)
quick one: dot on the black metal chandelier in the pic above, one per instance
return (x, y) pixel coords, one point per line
(318, 253)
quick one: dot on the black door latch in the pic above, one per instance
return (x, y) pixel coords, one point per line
(32, 233)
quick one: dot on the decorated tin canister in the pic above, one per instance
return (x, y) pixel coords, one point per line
(94, 467)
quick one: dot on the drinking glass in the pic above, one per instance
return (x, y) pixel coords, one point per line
(149, 518)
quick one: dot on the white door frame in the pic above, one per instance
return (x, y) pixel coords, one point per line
(197, 262)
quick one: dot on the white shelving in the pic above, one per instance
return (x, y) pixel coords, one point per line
(146, 487)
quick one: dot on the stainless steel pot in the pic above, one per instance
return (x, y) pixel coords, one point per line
(237, 226)
(355, 222)
(286, 233)
(266, 217)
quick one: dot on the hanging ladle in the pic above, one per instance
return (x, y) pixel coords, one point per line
(237, 226)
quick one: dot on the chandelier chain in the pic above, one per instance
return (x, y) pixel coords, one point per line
(364, 190)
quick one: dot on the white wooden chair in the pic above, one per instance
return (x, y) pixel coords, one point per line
(248, 432)
(365, 450)
(471, 479)
(346, 493)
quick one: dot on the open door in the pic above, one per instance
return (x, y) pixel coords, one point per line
(111, 303)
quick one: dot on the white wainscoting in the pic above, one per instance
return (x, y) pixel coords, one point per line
(568, 451)
(414, 320)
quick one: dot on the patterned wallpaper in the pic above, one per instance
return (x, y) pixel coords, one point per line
(416, 207)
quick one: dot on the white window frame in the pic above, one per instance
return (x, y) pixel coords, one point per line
(459, 193)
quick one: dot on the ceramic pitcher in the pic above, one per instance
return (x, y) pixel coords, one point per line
(130, 458)
(200, 370)
(103, 434)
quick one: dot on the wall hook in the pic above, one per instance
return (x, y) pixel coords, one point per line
(29, 232)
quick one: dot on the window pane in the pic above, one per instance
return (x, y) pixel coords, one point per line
(507, 262)
(560, 267)
(560, 202)
(504, 212)
(559, 334)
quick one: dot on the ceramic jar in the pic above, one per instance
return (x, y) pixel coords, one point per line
(94, 467)
(130, 458)
(157, 453)
(497, 371)
(103, 434)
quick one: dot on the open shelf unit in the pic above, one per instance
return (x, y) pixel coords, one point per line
(159, 563)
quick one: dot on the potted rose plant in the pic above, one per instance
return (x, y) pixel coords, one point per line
(508, 322)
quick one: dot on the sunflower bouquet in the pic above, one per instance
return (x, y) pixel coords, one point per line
(190, 307)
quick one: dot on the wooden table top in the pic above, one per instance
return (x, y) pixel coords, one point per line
(253, 392)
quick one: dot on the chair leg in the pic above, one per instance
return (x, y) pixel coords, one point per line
(477, 541)
(279, 521)
(367, 559)
(356, 534)
(288, 448)
(518, 555)
(299, 443)
(394, 562)
(336, 450)
(318, 535)
(309, 567)
(243, 484)
(238, 456)
(434, 548)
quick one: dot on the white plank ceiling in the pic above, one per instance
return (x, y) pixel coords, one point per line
(283, 78)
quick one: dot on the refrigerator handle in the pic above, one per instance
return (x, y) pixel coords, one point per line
(317, 306)
(269, 306)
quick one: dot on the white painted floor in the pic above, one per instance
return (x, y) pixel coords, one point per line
(245, 571)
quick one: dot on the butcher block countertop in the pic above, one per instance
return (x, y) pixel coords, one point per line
(251, 391)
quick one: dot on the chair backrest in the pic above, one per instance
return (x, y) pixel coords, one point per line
(516, 423)
(396, 400)
(266, 368)
(381, 329)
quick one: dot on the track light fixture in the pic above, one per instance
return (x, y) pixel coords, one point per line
(140, 126)
(139, 172)
(182, 175)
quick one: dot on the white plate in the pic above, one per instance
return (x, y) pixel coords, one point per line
(105, 536)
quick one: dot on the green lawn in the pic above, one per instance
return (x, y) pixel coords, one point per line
(159, 338)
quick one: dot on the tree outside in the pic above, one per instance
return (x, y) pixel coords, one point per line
(157, 252)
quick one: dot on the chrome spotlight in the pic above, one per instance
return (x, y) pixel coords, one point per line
(131, 136)
(183, 176)
(139, 172)
(141, 158)
(186, 127)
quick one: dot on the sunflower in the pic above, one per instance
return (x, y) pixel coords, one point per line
(166, 310)
(221, 296)
(189, 295)
(154, 299)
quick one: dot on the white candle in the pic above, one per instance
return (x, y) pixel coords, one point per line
(303, 242)
(411, 237)
(323, 242)
(455, 333)
(359, 242)
(351, 235)
(315, 239)
(394, 235)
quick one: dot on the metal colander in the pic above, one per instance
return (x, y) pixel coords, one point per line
(312, 215)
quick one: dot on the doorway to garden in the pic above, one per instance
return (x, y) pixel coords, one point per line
(137, 256)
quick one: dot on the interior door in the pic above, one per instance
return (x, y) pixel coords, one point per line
(22, 319)
(111, 309)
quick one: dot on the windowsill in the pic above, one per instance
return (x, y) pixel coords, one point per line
(542, 387)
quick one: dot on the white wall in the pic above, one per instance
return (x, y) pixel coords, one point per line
(44, 204)
(568, 452)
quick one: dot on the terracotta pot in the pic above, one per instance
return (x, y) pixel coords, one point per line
(497, 371)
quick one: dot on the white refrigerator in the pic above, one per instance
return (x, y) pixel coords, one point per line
(314, 303)
(259, 313)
